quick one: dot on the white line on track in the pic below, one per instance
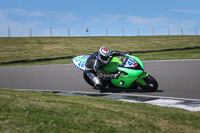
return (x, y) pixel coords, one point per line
(183, 103)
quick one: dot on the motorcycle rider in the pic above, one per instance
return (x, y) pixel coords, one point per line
(95, 63)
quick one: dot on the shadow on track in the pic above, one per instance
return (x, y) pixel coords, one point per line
(124, 90)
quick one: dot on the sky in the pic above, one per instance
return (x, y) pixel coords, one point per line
(100, 17)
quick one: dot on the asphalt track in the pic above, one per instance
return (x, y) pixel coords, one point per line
(176, 78)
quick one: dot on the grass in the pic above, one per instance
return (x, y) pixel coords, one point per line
(20, 48)
(32, 112)
(169, 55)
(45, 112)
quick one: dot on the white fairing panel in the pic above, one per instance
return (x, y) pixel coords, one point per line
(130, 63)
(80, 61)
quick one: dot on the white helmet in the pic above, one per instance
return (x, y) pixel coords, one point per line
(104, 55)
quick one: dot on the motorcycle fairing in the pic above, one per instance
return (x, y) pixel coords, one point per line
(132, 74)
(131, 63)
(80, 61)
(130, 78)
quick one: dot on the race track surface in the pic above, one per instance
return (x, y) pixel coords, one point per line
(178, 78)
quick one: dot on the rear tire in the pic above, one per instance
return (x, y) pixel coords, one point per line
(152, 84)
(87, 79)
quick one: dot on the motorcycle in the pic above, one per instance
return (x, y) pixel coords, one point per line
(130, 68)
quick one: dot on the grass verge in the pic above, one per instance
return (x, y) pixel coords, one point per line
(168, 55)
(32, 112)
(25, 48)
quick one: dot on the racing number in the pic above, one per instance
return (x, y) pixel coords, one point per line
(81, 64)
(131, 62)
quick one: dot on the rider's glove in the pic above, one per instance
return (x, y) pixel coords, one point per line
(116, 53)
(101, 75)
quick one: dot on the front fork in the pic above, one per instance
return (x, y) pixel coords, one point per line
(140, 78)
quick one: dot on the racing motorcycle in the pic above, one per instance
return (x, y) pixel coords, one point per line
(130, 68)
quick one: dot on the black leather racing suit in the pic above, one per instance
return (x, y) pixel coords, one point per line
(94, 66)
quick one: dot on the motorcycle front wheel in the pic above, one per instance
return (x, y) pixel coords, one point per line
(152, 84)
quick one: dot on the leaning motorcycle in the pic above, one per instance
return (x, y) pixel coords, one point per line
(130, 68)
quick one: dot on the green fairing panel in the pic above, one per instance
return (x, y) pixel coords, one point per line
(133, 75)
(127, 83)
(80, 59)
(128, 79)
(115, 59)
(140, 78)
(112, 66)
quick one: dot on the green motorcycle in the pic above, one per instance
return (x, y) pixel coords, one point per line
(130, 68)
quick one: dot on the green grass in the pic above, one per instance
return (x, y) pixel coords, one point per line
(32, 112)
(170, 55)
(45, 112)
(20, 48)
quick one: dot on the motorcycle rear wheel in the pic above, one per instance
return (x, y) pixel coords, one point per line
(87, 79)
(152, 84)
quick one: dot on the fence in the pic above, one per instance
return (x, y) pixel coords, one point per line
(70, 32)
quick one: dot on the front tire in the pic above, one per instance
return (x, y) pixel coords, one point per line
(152, 84)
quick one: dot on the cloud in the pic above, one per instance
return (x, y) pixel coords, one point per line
(8, 16)
(112, 18)
(21, 12)
(137, 20)
(186, 24)
(67, 17)
(183, 11)
(160, 24)
(16, 12)
(27, 13)
(97, 20)
(2, 17)
(20, 20)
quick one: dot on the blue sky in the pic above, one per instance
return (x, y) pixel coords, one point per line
(120, 17)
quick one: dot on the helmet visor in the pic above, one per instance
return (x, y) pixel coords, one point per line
(104, 59)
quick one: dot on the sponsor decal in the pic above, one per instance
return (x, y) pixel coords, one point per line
(131, 63)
